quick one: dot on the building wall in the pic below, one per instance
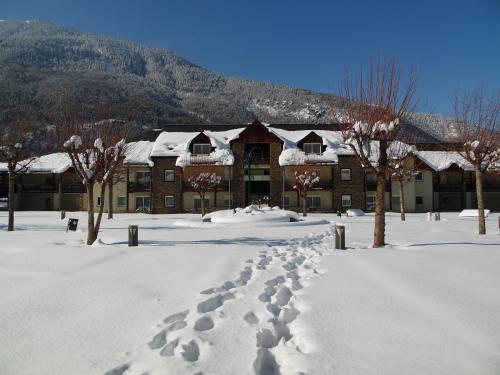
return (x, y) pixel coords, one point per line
(424, 189)
(492, 200)
(355, 187)
(238, 175)
(412, 189)
(296, 202)
(276, 178)
(162, 188)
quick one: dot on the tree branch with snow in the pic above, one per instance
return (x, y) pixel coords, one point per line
(303, 183)
(202, 184)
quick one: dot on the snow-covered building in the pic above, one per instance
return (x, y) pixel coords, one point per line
(257, 163)
(49, 184)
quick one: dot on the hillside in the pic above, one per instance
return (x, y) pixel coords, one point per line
(43, 65)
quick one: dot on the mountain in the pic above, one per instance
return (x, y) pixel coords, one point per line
(43, 65)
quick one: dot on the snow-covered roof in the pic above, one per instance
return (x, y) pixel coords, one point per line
(441, 160)
(58, 162)
(293, 155)
(138, 153)
(172, 143)
(177, 144)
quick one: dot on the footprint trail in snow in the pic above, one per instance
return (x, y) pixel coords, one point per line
(273, 315)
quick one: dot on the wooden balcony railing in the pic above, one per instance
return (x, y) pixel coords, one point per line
(139, 186)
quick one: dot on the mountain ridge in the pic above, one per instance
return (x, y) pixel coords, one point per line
(43, 65)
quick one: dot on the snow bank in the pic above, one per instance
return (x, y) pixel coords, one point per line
(473, 213)
(252, 214)
(355, 212)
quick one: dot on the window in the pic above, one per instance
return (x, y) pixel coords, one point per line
(169, 201)
(286, 201)
(228, 202)
(395, 201)
(370, 203)
(169, 175)
(345, 174)
(419, 176)
(201, 148)
(313, 203)
(312, 148)
(346, 200)
(143, 178)
(98, 201)
(419, 200)
(197, 203)
(142, 203)
(122, 201)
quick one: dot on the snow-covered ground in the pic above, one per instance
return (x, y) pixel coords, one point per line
(265, 298)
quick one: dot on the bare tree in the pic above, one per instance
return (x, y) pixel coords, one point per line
(96, 150)
(117, 177)
(402, 169)
(202, 184)
(477, 129)
(303, 183)
(378, 100)
(13, 154)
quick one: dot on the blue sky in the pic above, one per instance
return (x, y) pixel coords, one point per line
(309, 44)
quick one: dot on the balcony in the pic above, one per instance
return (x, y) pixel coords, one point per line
(73, 188)
(138, 186)
(223, 186)
(320, 159)
(454, 187)
(35, 188)
(260, 160)
(323, 185)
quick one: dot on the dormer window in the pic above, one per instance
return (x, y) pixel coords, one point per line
(312, 148)
(202, 148)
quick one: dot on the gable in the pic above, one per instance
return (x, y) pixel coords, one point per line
(256, 133)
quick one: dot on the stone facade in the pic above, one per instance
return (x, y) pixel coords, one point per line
(276, 176)
(161, 188)
(355, 187)
(238, 175)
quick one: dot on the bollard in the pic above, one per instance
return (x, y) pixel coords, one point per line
(63, 214)
(429, 216)
(499, 222)
(340, 237)
(133, 235)
(339, 214)
(437, 216)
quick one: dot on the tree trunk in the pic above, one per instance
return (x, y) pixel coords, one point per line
(91, 235)
(480, 200)
(12, 185)
(304, 205)
(110, 203)
(379, 234)
(202, 196)
(101, 210)
(402, 200)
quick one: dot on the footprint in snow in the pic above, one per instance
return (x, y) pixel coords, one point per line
(175, 317)
(204, 324)
(191, 351)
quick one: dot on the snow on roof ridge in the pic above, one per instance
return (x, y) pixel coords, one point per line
(442, 160)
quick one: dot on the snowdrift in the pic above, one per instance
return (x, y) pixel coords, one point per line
(252, 214)
(355, 212)
(472, 213)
